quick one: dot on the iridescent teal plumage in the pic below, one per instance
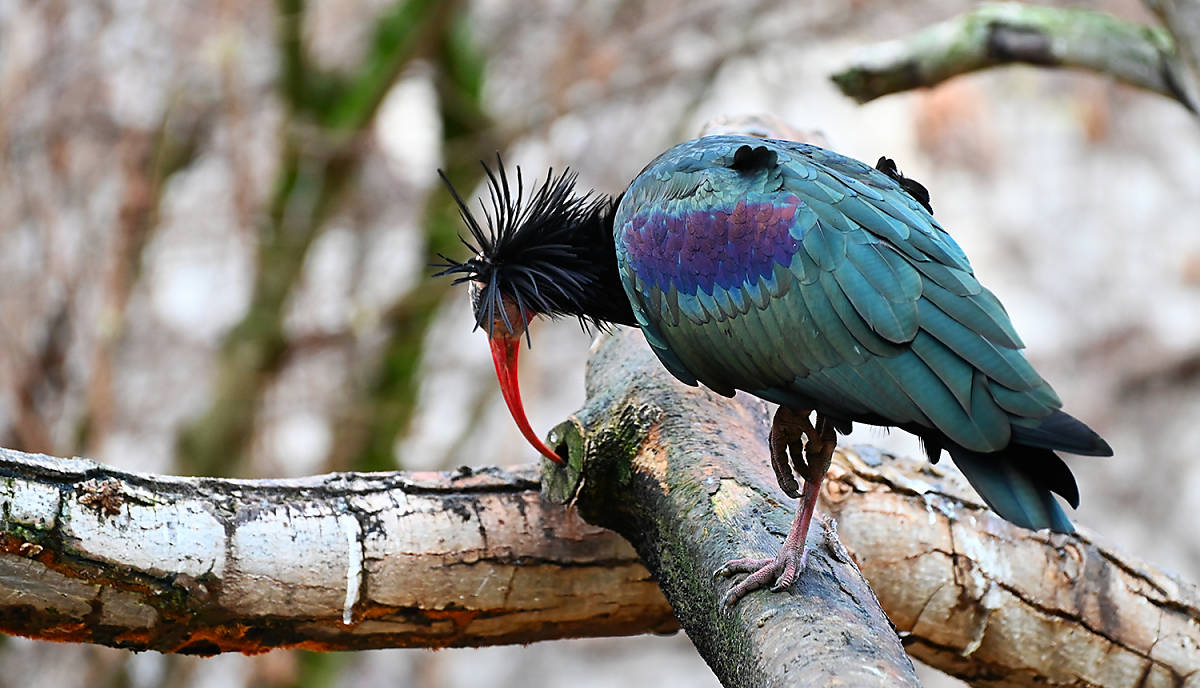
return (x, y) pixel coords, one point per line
(818, 282)
(801, 276)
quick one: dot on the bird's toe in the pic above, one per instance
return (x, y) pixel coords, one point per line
(736, 566)
(793, 566)
(780, 573)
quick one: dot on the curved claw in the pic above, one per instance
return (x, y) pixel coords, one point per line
(787, 429)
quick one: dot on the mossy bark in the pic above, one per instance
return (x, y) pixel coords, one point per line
(683, 475)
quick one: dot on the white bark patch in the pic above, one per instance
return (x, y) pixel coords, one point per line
(291, 558)
(107, 549)
(354, 567)
(160, 539)
(29, 503)
(412, 539)
(988, 561)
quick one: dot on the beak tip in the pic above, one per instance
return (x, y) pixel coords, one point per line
(504, 355)
(548, 452)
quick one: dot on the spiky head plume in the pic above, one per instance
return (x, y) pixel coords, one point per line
(552, 253)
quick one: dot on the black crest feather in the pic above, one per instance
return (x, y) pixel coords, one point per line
(913, 187)
(551, 251)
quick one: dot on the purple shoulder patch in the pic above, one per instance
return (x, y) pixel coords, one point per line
(717, 246)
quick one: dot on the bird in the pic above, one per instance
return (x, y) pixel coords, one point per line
(801, 276)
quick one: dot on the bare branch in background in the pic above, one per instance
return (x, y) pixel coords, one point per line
(1182, 19)
(43, 376)
(1006, 33)
(148, 161)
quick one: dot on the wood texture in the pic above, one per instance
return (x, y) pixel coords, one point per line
(683, 474)
(91, 554)
(995, 34)
(343, 561)
(998, 605)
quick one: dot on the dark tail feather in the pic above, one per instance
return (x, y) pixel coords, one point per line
(1016, 482)
(1064, 432)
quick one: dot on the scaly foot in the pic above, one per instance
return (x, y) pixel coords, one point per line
(783, 571)
(787, 430)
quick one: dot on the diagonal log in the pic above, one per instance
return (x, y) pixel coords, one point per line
(682, 474)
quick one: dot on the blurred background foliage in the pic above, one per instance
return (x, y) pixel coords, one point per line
(216, 221)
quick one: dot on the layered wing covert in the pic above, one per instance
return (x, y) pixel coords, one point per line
(814, 280)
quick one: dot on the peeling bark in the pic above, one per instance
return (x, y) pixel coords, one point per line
(998, 605)
(683, 474)
(344, 561)
(90, 554)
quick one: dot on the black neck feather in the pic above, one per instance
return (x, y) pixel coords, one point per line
(552, 253)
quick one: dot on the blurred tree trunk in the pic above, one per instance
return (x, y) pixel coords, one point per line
(326, 129)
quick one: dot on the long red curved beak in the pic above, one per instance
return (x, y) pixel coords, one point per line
(505, 347)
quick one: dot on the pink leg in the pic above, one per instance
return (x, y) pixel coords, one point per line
(786, 566)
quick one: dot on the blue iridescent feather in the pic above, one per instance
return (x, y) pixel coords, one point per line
(818, 282)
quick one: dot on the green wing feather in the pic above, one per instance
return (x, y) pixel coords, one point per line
(878, 315)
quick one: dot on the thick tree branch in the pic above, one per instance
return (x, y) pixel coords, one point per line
(1003, 33)
(344, 561)
(202, 565)
(682, 473)
(998, 605)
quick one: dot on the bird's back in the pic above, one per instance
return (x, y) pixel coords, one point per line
(818, 282)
